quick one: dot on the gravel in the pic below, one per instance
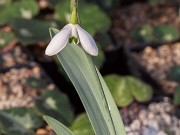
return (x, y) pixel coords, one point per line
(158, 62)
(155, 119)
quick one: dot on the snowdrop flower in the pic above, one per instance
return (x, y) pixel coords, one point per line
(72, 33)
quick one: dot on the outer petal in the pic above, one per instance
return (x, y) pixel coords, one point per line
(87, 41)
(59, 41)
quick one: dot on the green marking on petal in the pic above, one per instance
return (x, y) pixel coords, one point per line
(73, 38)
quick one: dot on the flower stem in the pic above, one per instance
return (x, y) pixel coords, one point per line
(73, 9)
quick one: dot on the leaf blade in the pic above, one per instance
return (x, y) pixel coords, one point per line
(59, 128)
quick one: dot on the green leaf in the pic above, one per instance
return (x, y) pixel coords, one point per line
(125, 88)
(11, 127)
(31, 31)
(175, 73)
(82, 125)
(145, 33)
(36, 83)
(92, 18)
(55, 104)
(19, 9)
(27, 117)
(141, 91)
(6, 38)
(59, 128)
(119, 90)
(166, 33)
(177, 96)
(80, 69)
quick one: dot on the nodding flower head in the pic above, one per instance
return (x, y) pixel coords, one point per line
(72, 33)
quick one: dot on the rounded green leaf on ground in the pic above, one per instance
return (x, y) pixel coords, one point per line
(31, 31)
(82, 125)
(27, 117)
(126, 88)
(174, 73)
(57, 105)
(6, 38)
(141, 91)
(18, 9)
(119, 89)
(166, 33)
(144, 33)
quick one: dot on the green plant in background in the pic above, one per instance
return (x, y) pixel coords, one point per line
(145, 33)
(55, 104)
(159, 33)
(177, 96)
(31, 31)
(166, 33)
(82, 126)
(19, 121)
(92, 18)
(6, 38)
(18, 9)
(175, 73)
(25, 116)
(35, 83)
(125, 89)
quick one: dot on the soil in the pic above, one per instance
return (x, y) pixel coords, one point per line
(157, 118)
(15, 90)
(125, 19)
(158, 62)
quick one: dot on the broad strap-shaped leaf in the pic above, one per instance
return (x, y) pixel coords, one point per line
(83, 74)
(59, 128)
(113, 110)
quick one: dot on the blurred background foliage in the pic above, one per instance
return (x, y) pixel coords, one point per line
(27, 23)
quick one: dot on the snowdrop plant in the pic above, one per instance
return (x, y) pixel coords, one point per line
(88, 82)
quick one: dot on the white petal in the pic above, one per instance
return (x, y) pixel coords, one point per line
(74, 33)
(87, 41)
(59, 41)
